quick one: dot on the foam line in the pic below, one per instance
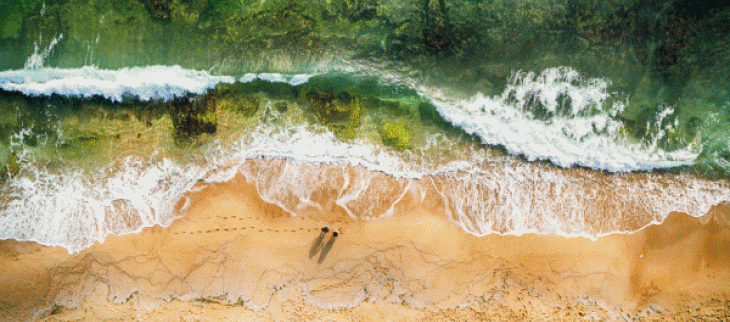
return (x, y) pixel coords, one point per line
(145, 83)
(294, 80)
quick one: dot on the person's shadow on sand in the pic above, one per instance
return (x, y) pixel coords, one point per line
(326, 249)
(316, 245)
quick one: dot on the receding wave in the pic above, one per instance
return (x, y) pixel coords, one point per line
(75, 208)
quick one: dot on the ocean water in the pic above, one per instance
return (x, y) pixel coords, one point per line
(566, 146)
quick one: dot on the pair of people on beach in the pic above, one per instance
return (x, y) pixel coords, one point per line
(326, 229)
(319, 247)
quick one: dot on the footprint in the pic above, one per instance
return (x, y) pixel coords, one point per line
(261, 230)
(199, 231)
(226, 229)
(217, 229)
(207, 231)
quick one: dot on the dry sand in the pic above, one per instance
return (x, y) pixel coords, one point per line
(235, 257)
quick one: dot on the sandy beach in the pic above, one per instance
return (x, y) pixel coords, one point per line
(509, 160)
(235, 257)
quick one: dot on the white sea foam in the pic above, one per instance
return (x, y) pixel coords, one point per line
(515, 200)
(145, 83)
(75, 208)
(575, 128)
(318, 167)
(38, 58)
(294, 80)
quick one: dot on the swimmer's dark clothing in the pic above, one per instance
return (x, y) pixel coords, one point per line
(325, 229)
(335, 233)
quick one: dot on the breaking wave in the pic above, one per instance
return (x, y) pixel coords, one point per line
(561, 117)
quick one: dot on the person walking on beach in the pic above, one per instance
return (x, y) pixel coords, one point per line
(327, 247)
(317, 245)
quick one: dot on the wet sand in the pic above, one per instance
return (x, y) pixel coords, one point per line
(235, 257)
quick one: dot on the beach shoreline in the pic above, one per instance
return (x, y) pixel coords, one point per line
(234, 255)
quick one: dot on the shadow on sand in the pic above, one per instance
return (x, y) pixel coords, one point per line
(326, 249)
(316, 245)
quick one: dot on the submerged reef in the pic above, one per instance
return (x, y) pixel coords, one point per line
(10, 168)
(340, 112)
(336, 101)
(396, 135)
(158, 9)
(237, 98)
(192, 117)
(241, 104)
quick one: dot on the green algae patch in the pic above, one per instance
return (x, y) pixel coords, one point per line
(396, 135)
(11, 168)
(244, 105)
(86, 139)
(193, 117)
(281, 107)
(158, 9)
(341, 112)
(9, 119)
(238, 98)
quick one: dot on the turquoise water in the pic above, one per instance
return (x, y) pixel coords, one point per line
(558, 117)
